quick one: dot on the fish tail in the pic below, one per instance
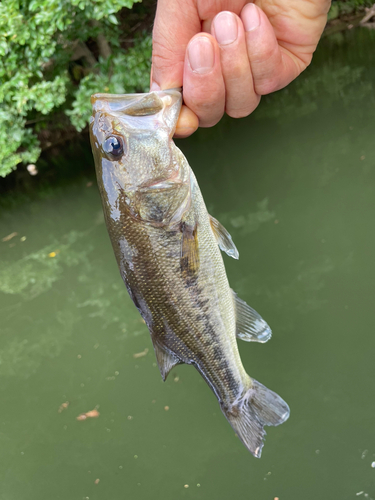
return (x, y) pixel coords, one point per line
(257, 408)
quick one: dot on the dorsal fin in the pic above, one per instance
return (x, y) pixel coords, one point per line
(250, 326)
(223, 238)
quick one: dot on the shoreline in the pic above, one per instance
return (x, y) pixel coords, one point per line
(53, 142)
(344, 22)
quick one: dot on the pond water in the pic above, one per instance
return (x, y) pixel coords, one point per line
(295, 185)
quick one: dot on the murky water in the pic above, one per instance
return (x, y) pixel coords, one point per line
(295, 185)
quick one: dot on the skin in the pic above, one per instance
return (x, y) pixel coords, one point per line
(275, 43)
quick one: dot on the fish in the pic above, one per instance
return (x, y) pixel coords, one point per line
(168, 250)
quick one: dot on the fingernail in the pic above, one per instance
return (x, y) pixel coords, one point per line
(225, 25)
(201, 55)
(250, 17)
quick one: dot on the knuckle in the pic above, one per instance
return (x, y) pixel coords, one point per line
(204, 98)
(266, 56)
(241, 112)
(211, 121)
(237, 113)
(209, 111)
(267, 86)
(235, 72)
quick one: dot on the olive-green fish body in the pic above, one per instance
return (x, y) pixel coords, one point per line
(167, 248)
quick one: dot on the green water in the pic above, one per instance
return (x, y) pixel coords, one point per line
(295, 186)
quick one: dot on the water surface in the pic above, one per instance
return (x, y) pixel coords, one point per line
(295, 185)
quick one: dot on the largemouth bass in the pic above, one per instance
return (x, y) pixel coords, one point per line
(167, 249)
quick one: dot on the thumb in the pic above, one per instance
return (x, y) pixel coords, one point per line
(176, 22)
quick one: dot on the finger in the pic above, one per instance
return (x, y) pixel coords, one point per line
(298, 25)
(204, 91)
(187, 123)
(240, 98)
(272, 66)
(175, 24)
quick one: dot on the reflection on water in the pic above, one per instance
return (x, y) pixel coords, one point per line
(251, 221)
(295, 186)
(38, 271)
(328, 86)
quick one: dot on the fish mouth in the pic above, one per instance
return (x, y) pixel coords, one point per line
(146, 104)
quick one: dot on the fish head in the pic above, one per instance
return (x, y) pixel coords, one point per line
(139, 168)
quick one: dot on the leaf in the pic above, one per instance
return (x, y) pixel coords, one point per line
(112, 19)
(36, 78)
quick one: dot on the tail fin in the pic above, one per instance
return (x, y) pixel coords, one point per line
(257, 408)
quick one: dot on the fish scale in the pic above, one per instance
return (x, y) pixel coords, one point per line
(166, 283)
(167, 249)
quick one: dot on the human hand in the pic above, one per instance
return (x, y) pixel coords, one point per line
(228, 53)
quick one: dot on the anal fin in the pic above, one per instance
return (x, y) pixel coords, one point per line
(166, 361)
(223, 238)
(250, 326)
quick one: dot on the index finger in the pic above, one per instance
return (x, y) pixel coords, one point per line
(175, 24)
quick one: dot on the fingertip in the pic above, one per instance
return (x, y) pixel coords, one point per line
(225, 28)
(251, 17)
(154, 87)
(187, 124)
(243, 111)
(201, 54)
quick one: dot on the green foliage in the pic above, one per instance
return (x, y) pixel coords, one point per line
(51, 62)
(40, 43)
(123, 73)
(342, 7)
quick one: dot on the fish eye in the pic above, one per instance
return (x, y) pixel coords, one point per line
(113, 146)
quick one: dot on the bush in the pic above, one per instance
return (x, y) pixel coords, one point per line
(344, 7)
(53, 55)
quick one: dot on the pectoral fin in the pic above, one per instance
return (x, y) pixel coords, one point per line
(166, 361)
(189, 250)
(250, 326)
(223, 238)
